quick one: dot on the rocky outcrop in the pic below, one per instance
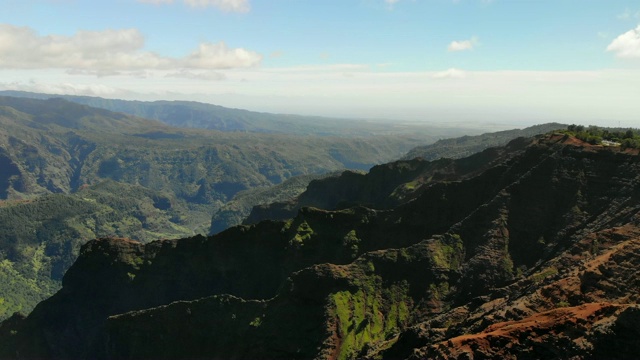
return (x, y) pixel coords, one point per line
(575, 332)
(576, 305)
(531, 252)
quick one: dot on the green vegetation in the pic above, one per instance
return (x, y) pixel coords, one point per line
(19, 292)
(368, 316)
(543, 274)
(40, 238)
(625, 138)
(506, 263)
(439, 291)
(351, 242)
(256, 322)
(448, 252)
(303, 233)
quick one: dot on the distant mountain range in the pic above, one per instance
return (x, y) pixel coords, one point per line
(189, 114)
(527, 250)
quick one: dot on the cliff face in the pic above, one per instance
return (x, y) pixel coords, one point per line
(529, 249)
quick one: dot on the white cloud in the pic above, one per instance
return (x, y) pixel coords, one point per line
(450, 74)
(156, 2)
(463, 44)
(97, 73)
(323, 69)
(391, 3)
(107, 52)
(224, 5)
(627, 45)
(626, 15)
(64, 88)
(276, 54)
(207, 75)
(219, 56)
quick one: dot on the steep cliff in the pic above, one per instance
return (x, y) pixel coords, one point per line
(529, 250)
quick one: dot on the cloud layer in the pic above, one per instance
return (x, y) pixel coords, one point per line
(604, 97)
(108, 51)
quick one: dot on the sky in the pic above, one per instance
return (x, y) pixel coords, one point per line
(483, 62)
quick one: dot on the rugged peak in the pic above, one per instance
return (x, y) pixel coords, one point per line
(102, 259)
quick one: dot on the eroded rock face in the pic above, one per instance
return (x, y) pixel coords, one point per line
(575, 332)
(531, 251)
(567, 308)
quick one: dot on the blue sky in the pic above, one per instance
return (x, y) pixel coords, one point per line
(500, 62)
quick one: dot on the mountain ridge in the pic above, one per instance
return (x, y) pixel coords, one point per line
(385, 185)
(456, 148)
(534, 233)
